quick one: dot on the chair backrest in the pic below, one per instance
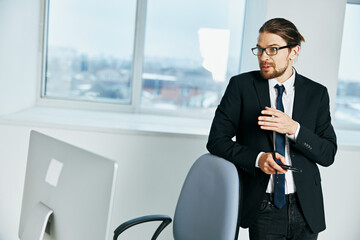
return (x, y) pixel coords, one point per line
(208, 204)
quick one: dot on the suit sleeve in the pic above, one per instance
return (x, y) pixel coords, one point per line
(318, 145)
(225, 127)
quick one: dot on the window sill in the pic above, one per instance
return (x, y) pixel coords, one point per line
(108, 121)
(113, 122)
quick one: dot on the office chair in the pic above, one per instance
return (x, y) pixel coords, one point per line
(208, 204)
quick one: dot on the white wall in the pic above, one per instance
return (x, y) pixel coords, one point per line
(342, 196)
(156, 164)
(19, 31)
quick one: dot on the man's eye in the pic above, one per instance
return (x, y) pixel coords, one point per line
(272, 49)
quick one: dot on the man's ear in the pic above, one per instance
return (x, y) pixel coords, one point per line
(294, 52)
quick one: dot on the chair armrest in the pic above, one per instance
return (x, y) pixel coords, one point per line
(166, 220)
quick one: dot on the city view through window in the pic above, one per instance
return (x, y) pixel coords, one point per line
(89, 52)
(191, 50)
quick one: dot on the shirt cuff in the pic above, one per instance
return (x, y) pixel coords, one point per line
(293, 137)
(257, 160)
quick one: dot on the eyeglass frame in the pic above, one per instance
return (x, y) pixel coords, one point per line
(264, 49)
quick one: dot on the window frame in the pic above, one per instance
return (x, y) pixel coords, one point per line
(134, 105)
(135, 89)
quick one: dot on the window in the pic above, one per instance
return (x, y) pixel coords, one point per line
(188, 52)
(89, 50)
(347, 109)
(191, 49)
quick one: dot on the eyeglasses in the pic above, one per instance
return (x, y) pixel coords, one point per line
(270, 51)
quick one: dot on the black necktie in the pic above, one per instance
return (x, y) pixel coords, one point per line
(279, 183)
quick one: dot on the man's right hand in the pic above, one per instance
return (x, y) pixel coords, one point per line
(268, 165)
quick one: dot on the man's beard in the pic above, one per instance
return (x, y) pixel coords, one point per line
(275, 73)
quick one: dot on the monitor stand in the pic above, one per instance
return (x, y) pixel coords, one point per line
(37, 223)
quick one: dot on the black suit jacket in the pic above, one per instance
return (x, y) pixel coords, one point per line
(237, 115)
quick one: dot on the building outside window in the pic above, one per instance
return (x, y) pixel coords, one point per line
(189, 51)
(89, 50)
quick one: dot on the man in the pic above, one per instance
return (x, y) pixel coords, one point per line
(278, 117)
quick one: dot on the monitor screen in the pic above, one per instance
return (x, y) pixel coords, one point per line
(68, 192)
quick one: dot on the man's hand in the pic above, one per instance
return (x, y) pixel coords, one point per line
(277, 121)
(268, 165)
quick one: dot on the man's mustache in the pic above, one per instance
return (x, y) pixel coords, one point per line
(267, 64)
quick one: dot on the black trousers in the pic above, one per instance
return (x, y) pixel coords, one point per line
(287, 223)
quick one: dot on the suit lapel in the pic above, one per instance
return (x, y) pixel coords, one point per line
(300, 97)
(262, 90)
(263, 95)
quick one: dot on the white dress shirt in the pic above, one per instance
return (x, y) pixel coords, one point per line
(288, 102)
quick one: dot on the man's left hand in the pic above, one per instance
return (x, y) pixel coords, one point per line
(277, 121)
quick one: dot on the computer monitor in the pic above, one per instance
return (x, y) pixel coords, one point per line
(68, 192)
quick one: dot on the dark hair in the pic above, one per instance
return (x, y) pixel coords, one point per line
(285, 29)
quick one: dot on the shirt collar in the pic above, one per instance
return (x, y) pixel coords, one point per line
(288, 84)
